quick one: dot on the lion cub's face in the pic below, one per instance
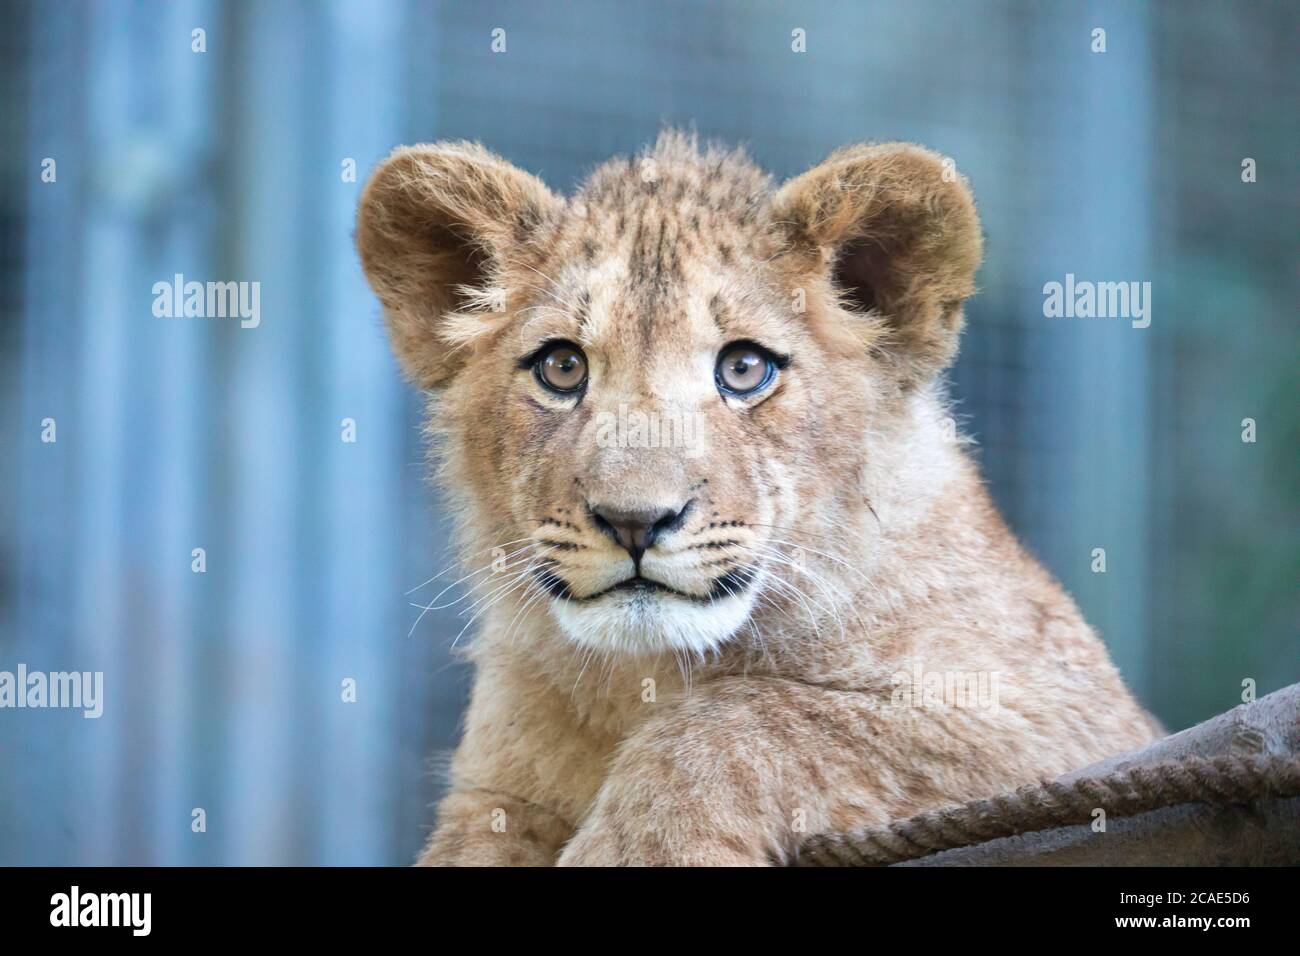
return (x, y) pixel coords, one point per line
(660, 429)
(654, 393)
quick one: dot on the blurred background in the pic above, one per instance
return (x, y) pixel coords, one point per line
(222, 688)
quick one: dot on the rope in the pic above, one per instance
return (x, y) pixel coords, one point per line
(1218, 781)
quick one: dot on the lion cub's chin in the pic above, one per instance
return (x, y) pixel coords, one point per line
(637, 623)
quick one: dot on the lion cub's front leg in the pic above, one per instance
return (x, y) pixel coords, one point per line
(731, 775)
(485, 828)
(523, 772)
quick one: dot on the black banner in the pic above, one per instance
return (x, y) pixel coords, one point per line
(923, 905)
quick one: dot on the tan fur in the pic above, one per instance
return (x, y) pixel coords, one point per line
(668, 730)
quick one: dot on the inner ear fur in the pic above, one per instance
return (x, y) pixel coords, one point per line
(896, 231)
(435, 223)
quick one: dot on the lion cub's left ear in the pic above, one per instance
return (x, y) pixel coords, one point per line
(895, 226)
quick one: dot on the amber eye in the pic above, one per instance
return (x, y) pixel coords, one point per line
(744, 369)
(562, 367)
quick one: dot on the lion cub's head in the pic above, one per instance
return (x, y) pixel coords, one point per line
(659, 396)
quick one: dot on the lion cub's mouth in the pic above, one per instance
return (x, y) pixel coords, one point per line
(731, 584)
(638, 583)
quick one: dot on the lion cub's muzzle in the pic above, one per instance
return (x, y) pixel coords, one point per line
(654, 550)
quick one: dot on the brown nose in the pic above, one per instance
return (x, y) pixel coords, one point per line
(637, 530)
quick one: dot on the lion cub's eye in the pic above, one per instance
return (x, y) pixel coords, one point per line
(745, 369)
(561, 367)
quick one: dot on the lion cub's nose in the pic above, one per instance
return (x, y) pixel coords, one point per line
(637, 530)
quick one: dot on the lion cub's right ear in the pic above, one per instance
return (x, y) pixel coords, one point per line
(436, 224)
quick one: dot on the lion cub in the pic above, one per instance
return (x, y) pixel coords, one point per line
(734, 581)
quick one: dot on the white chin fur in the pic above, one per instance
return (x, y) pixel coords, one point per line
(633, 623)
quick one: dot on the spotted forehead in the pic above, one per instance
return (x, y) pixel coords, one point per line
(668, 207)
(613, 303)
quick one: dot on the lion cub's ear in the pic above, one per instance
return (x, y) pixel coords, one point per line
(435, 225)
(896, 228)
